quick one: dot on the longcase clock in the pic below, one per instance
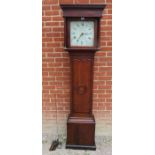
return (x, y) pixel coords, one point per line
(81, 40)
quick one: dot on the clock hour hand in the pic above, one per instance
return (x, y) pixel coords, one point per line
(86, 33)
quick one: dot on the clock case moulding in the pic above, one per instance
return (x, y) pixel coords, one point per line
(81, 121)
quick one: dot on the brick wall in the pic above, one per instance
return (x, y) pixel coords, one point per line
(56, 69)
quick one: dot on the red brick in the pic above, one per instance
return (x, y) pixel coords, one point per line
(103, 22)
(109, 1)
(108, 106)
(98, 1)
(109, 33)
(44, 83)
(49, 87)
(105, 68)
(46, 7)
(46, 19)
(53, 34)
(103, 78)
(47, 49)
(106, 28)
(59, 39)
(49, 69)
(54, 54)
(62, 78)
(43, 45)
(48, 59)
(66, 64)
(107, 38)
(102, 34)
(109, 83)
(51, 13)
(64, 69)
(100, 53)
(53, 44)
(107, 48)
(45, 73)
(58, 49)
(110, 11)
(66, 1)
(109, 91)
(55, 7)
(109, 43)
(62, 95)
(104, 59)
(46, 29)
(109, 6)
(44, 65)
(104, 87)
(55, 64)
(50, 1)
(109, 74)
(57, 18)
(43, 55)
(47, 39)
(81, 1)
(52, 23)
(109, 54)
(57, 74)
(61, 59)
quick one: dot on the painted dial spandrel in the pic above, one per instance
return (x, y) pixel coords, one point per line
(82, 33)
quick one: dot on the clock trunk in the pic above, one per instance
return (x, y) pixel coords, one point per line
(81, 122)
(82, 86)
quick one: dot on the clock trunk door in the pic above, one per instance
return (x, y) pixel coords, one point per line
(82, 85)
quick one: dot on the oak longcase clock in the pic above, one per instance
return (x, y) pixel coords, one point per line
(81, 40)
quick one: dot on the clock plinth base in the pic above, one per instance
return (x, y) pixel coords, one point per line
(81, 147)
(81, 132)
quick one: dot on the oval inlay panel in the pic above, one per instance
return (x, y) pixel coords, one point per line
(81, 90)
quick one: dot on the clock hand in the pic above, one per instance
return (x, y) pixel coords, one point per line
(86, 33)
(80, 36)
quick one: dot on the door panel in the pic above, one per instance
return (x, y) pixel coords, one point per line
(81, 85)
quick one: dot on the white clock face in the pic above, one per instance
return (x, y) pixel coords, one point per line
(82, 33)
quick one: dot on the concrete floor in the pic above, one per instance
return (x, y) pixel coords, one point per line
(104, 147)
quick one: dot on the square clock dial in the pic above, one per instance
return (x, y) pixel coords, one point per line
(82, 33)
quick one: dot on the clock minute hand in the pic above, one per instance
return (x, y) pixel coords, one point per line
(80, 36)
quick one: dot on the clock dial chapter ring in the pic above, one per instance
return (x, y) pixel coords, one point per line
(82, 33)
